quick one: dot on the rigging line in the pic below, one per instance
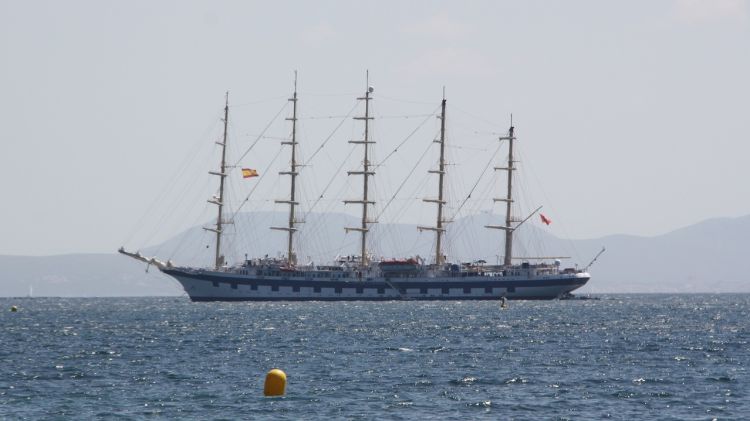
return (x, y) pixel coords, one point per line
(318, 94)
(328, 117)
(468, 148)
(484, 171)
(183, 195)
(491, 133)
(338, 249)
(413, 196)
(186, 236)
(171, 183)
(530, 169)
(420, 242)
(493, 124)
(404, 182)
(403, 100)
(262, 176)
(405, 116)
(330, 135)
(260, 101)
(262, 133)
(471, 129)
(407, 137)
(323, 117)
(267, 137)
(335, 176)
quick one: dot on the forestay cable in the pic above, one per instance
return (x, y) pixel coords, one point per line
(262, 176)
(492, 158)
(408, 137)
(331, 134)
(262, 133)
(404, 181)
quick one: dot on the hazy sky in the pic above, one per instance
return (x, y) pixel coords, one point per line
(636, 114)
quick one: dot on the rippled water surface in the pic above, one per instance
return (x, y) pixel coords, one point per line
(654, 356)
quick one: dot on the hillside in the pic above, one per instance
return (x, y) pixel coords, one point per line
(701, 258)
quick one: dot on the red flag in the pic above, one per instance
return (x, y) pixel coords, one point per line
(546, 220)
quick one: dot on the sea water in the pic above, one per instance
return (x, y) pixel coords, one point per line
(619, 356)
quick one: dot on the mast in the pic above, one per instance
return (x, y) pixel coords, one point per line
(508, 199)
(438, 228)
(291, 258)
(366, 173)
(219, 201)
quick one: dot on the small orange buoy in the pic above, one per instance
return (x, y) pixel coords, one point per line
(275, 383)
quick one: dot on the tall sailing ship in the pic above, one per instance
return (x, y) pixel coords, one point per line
(363, 276)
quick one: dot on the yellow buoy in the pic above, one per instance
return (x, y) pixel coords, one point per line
(275, 383)
(13, 308)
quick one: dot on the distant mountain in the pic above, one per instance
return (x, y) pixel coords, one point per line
(702, 258)
(705, 257)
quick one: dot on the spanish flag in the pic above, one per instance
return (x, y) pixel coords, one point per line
(249, 172)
